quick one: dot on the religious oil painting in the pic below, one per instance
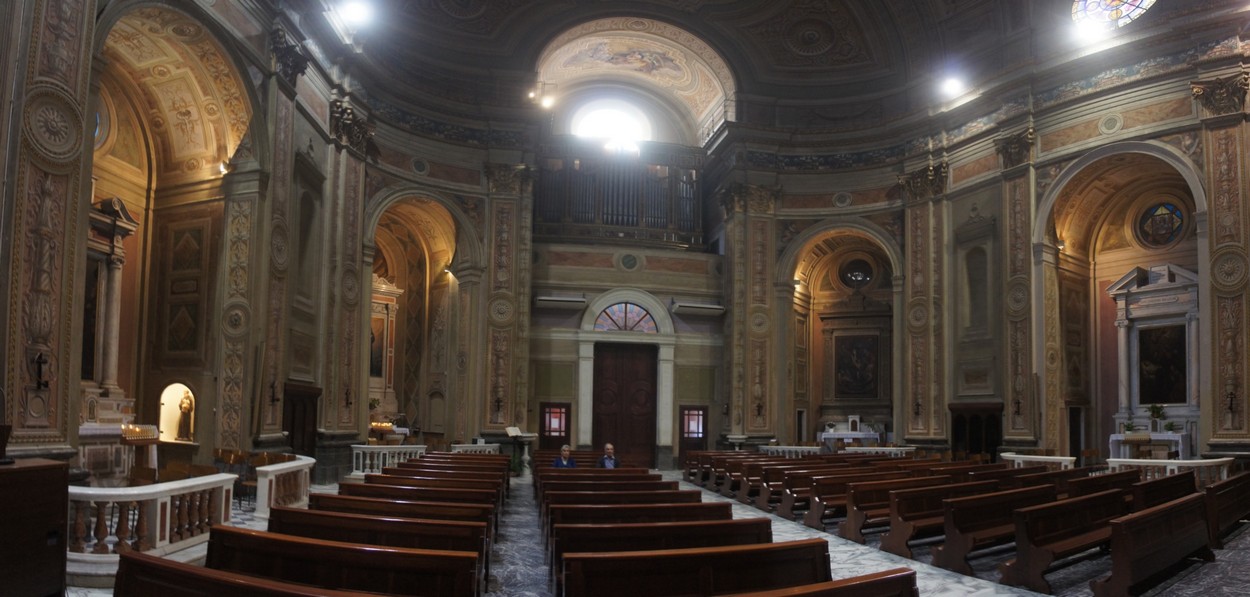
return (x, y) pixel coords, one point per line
(855, 365)
(1161, 365)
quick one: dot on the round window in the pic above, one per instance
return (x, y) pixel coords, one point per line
(856, 273)
(1160, 225)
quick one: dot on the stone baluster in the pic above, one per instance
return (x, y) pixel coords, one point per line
(206, 511)
(141, 529)
(101, 528)
(78, 531)
(175, 529)
(184, 516)
(123, 528)
(193, 516)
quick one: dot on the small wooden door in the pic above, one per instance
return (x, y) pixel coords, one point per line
(624, 401)
(299, 417)
(553, 425)
(693, 430)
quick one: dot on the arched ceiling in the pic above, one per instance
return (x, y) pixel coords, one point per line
(195, 102)
(1098, 197)
(662, 57)
(420, 222)
(491, 52)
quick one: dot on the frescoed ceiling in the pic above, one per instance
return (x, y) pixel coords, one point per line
(195, 103)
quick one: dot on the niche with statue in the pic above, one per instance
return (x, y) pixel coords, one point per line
(177, 418)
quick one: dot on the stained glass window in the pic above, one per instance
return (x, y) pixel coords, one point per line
(1109, 13)
(625, 317)
(1160, 224)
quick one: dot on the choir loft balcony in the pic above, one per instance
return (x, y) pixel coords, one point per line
(646, 194)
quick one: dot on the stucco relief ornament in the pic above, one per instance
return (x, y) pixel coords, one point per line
(350, 129)
(1016, 149)
(1222, 96)
(52, 125)
(1229, 271)
(926, 182)
(289, 60)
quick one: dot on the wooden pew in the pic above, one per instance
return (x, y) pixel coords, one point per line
(542, 476)
(1098, 483)
(653, 535)
(451, 471)
(898, 582)
(828, 494)
(1006, 477)
(976, 522)
(405, 509)
(868, 503)
(502, 471)
(606, 486)
(338, 565)
(696, 571)
(143, 575)
(588, 498)
(493, 486)
(727, 471)
(1151, 541)
(390, 531)
(796, 488)
(1048, 532)
(631, 513)
(1058, 478)
(1228, 502)
(420, 494)
(919, 512)
(1147, 494)
(772, 478)
(739, 486)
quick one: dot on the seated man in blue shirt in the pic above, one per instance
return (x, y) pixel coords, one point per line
(608, 460)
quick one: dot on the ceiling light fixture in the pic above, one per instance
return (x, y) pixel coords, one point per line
(952, 87)
(356, 13)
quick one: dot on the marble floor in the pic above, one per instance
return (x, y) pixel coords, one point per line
(518, 570)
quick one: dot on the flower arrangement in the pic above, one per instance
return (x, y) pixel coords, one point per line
(1156, 411)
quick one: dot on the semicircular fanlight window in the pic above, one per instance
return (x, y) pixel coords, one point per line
(1109, 13)
(625, 317)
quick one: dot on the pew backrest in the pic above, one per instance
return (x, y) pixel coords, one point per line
(696, 571)
(898, 582)
(1150, 493)
(339, 565)
(143, 575)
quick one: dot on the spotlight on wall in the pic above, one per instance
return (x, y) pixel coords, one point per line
(356, 13)
(547, 101)
(952, 87)
(1061, 245)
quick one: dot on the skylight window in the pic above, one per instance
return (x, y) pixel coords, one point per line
(615, 121)
(1108, 14)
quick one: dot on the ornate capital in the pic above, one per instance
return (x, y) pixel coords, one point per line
(350, 129)
(748, 198)
(1016, 149)
(289, 60)
(505, 178)
(1221, 96)
(926, 182)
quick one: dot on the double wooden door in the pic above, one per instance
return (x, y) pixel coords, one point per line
(624, 401)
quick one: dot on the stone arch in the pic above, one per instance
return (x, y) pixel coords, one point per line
(791, 261)
(1048, 354)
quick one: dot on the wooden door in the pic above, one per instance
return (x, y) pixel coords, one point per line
(693, 430)
(624, 401)
(553, 425)
(299, 417)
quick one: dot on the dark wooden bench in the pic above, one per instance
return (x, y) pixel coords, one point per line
(653, 535)
(1005, 477)
(503, 470)
(739, 471)
(607, 486)
(727, 471)
(1149, 542)
(1099, 483)
(449, 471)
(796, 488)
(899, 582)
(393, 531)
(976, 522)
(1058, 478)
(587, 498)
(696, 571)
(960, 472)
(338, 565)
(827, 494)
(1147, 494)
(630, 513)
(1228, 502)
(493, 486)
(420, 494)
(405, 509)
(571, 474)
(143, 575)
(919, 512)
(772, 480)
(1049, 532)
(868, 503)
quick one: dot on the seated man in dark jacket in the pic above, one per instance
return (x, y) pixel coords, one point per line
(608, 460)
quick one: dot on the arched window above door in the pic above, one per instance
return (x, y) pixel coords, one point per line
(625, 317)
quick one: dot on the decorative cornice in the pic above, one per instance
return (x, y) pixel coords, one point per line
(288, 58)
(749, 198)
(506, 178)
(351, 130)
(1222, 96)
(1016, 149)
(926, 182)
